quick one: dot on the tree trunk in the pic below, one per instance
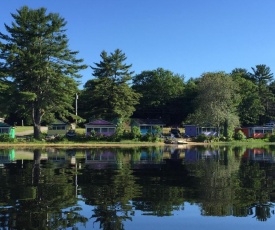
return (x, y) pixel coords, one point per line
(36, 131)
(36, 117)
(225, 128)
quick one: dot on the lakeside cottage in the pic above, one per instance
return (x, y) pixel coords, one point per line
(100, 127)
(59, 127)
(256, 132)
(147, 125)
(7, 129)
(195, 130)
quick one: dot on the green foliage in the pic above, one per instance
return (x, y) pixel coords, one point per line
(7, 138)
(272, 138)
(250, 107)
(43, 71)
(157, 130)
(135, 133)
(202, 138)
(261, 76)
(109, 95)
(217, 101)
(149, 137)
(161, 92)
(240, 136)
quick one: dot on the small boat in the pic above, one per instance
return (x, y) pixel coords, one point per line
(175, 142)
(181, 142)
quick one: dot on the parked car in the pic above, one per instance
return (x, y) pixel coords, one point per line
(175, 132)
(71, 133)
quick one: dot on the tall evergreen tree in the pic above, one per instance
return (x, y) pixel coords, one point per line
(250, 107)
(261, 76)
(43, 70)
(110, 93)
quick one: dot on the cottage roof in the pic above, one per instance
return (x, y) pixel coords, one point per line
(148, 121)
(59, 122)
(100, 123)
(2, 124)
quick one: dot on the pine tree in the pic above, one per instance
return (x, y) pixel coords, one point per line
(42, 69)
(111, 96)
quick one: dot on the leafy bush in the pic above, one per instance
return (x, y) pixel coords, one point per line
(135, 133)
(149, 137)
(239, 136)
(6, 138)
(202, 138)
(272, 138)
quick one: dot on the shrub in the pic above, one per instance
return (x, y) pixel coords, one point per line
(201, 138)
(6, 138)
(272, 138)
(239, 136)
(135, 133)
(149, 137)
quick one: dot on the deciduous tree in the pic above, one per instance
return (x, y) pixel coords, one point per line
(216, 102)
(162, 91)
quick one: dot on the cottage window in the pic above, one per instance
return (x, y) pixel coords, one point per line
(267, 131)
(104, 130)
(259, 131)
(111, 130)
(3, 130)
(97, 130)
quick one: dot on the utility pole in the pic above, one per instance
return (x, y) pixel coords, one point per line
(76, 97)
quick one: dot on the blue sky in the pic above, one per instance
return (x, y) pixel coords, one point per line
(187, 37)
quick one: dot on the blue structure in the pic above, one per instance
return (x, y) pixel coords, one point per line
(194, 130)
(7, 129)
(147, 125)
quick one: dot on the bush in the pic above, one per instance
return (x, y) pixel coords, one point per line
(149, 137)
(135, 133)
(201, 138)
(272, 138)
(239, 136)
(6, 138)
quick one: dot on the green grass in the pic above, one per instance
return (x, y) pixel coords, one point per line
(23, 128)
(80, 130)
(19, 129)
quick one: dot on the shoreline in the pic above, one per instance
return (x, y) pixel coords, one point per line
(130, 144)
(99, 144)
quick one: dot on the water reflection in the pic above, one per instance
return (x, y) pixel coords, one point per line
(54, 187)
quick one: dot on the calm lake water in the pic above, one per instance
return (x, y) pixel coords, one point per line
(138, 188)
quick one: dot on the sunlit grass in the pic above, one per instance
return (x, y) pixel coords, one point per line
(23, 128)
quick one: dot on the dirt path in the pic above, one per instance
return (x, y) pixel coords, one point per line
(30, 132)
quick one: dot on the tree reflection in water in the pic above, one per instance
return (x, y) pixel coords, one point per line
(115, 183)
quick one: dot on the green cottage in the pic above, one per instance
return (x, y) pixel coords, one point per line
(59, 127)
(7, 129)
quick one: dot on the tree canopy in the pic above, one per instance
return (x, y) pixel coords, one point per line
(36, 60)
(216, 101)
(109, 95)
(161, 90)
